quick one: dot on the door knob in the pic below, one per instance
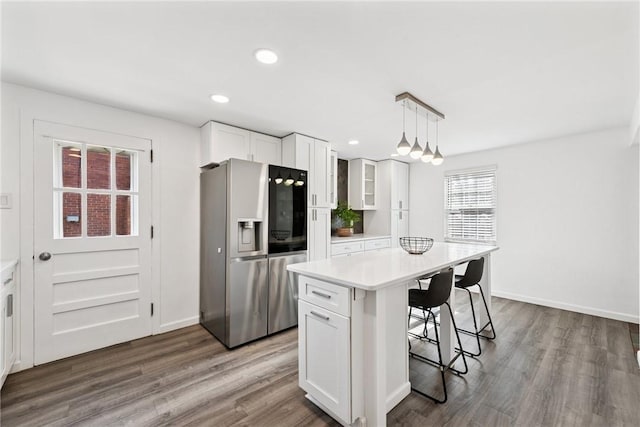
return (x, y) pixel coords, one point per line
(45, 256)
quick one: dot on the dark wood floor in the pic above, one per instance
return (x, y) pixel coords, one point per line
(547, 367)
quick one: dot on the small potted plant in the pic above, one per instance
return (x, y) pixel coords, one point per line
(347, 217)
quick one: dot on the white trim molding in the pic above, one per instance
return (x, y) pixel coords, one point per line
(624, 317)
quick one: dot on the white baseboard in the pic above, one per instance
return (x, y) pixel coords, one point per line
(569, 307)
(638, 354)
(177, 324)
(19, 366)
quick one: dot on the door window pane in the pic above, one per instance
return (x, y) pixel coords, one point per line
(70, 172)
(71, 215)
(124, 167)
(98, 215)
(123, 215)
(98, 168)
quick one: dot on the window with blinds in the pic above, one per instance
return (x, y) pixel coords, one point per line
(470, 205)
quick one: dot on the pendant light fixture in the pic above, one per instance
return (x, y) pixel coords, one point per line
(437, 157)
(416, 150)
(289, 180)
(403, 147)
(299, 182)
(427, 154)
(279, 178)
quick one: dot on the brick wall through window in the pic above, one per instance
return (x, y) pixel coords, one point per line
(98, 205)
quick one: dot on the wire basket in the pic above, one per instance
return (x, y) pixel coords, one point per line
(416, 245)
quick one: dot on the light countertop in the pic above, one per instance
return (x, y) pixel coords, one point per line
(358, 237)
(386, 267)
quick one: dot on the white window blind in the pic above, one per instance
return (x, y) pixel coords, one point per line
(470, 205)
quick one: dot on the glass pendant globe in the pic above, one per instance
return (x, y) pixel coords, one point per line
(403, 147)
(437, 157)
(416, 150)
(427, 154)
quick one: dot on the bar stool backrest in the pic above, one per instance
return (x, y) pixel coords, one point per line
(439, 289)
(473, 274)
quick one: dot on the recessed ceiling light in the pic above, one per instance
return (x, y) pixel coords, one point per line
(266, 56)
(221, 99)
(354, 142)
(394, 154)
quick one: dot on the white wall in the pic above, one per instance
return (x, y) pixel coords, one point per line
(567, 220)
(175, 172)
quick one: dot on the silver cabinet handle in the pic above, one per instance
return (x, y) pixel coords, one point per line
(322, 294)
(400, 203)
(10, 305)
(320, 315)
(400, 213)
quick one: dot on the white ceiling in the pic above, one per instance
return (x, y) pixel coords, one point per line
(502, 73)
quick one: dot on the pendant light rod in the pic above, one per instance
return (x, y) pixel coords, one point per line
(404, 107)
(406, 95)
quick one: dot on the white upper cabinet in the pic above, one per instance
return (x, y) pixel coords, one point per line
(312, 155)
(266, 148)
(363, 184)
(220, 142)
(393, 185)
(399, 182)
(319, 178)
(333, 180)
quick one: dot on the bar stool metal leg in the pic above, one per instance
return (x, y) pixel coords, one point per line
(439, 364)
(477, 331)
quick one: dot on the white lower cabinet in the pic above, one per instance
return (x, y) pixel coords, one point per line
(355, 246)
(324, 359)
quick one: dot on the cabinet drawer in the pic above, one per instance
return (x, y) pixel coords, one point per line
(346, 248)
(326, 295)
(371, 245)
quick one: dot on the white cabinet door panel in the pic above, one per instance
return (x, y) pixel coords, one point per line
(266, 149)
(399, 226)
(222, 142)
(319, 220)
(324, 359)
(333, 180)
(399, 185)
(320, 174)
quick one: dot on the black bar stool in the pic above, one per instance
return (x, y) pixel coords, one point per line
(426, 299)
(472, 277)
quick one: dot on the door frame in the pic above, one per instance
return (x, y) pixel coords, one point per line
(68, 114)
(45, 156)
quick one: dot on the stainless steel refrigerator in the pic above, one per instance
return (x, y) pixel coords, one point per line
(287, 242)
(234, 270)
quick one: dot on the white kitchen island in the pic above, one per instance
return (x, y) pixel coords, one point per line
(353, 355)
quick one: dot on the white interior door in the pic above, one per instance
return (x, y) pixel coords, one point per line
(92, 243)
